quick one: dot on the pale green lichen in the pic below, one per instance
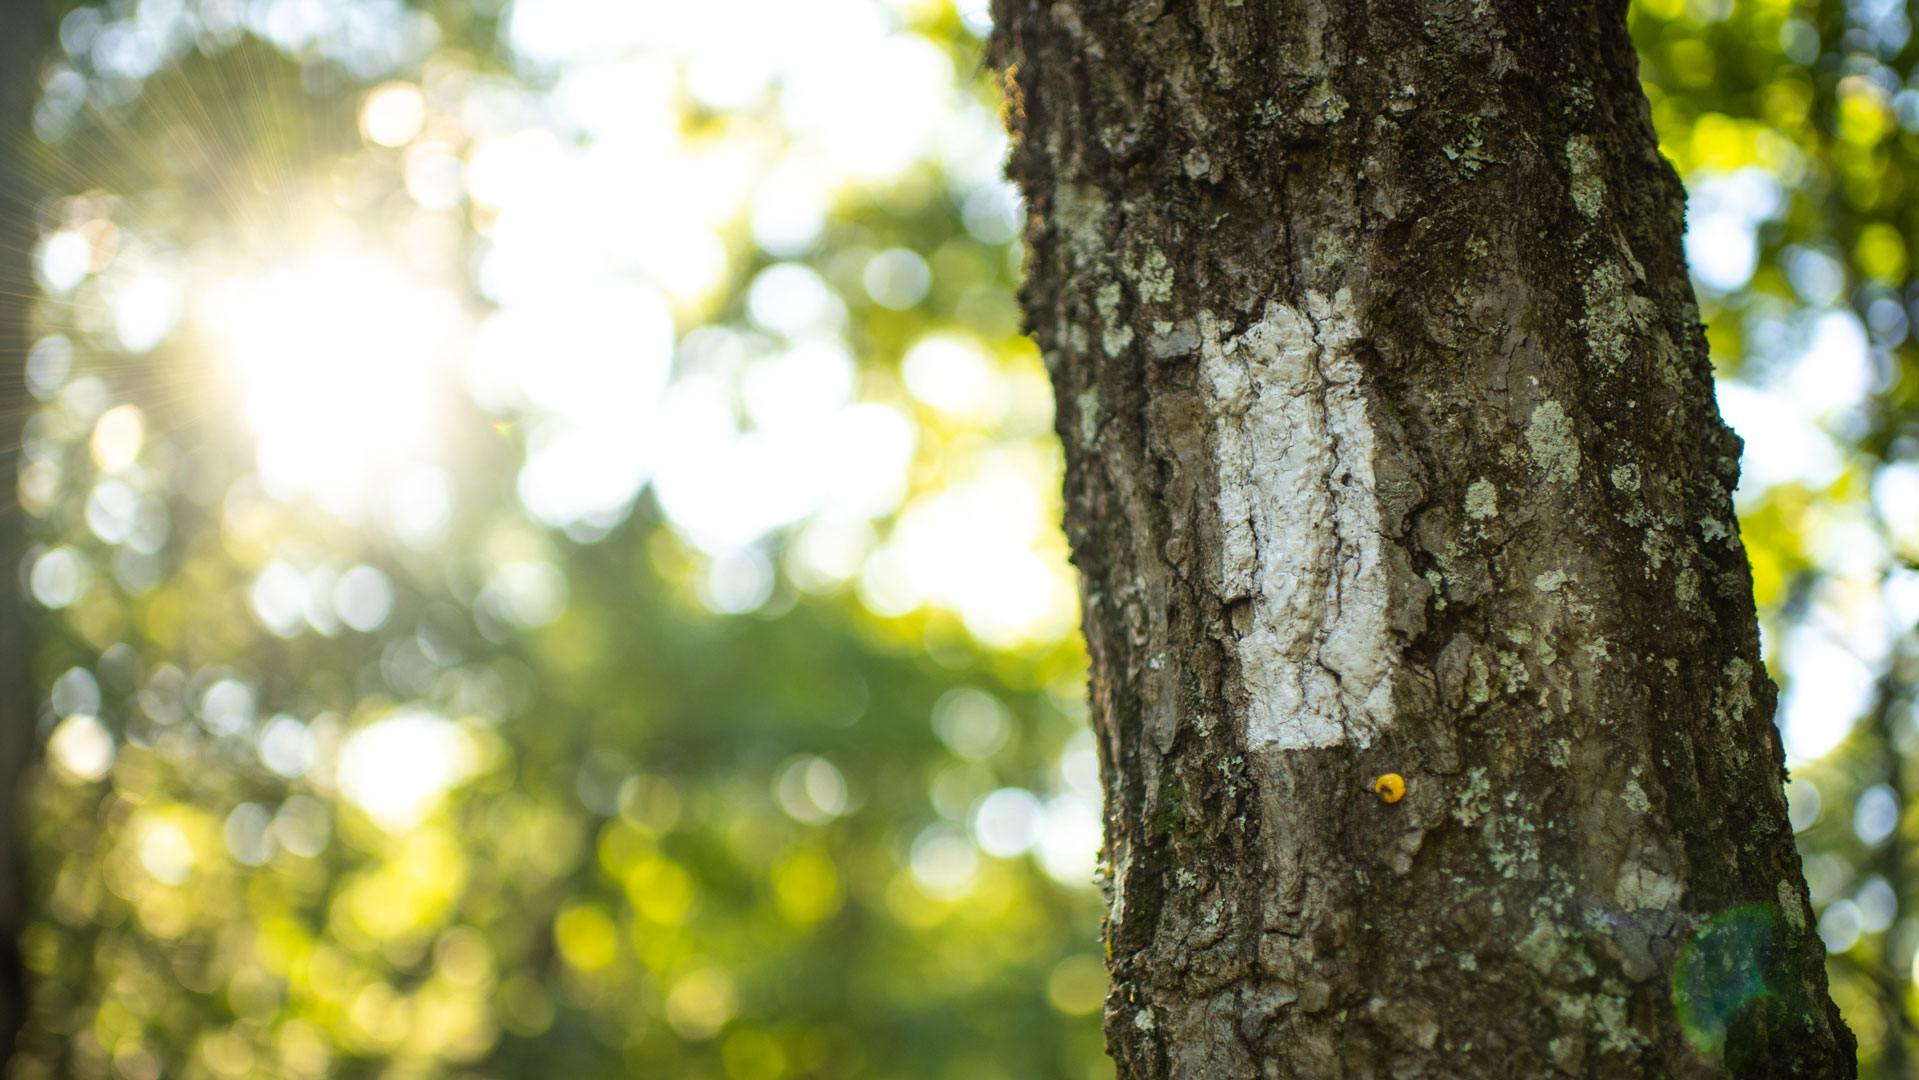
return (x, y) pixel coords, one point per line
(1153, 277)
(1086, 411)
(1329, 253)
(1471, 159)
(1611, 313)
(1323, 105)
(1550, 581)
(1475, 798)
(1737, 699)
(1478, 681)
(1789, 904)
(1711, 528)
(1503, 861)
(1544, 948)
(1077, 339)
(1635, 798)
(1604, 1013)
(1518, 851)
(1080, 212)
(1550, 435)
(1482, 500)
(1116, 335)
(1588, 187)
(1686, 587)
(1656, 547)
(1626, 478)
(1514, 669)
(1568, 1054)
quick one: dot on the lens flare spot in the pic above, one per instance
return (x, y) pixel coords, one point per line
(393, 114)
(117, 436)
(1732, 983)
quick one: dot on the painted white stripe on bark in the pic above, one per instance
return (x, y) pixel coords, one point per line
(1301, 525)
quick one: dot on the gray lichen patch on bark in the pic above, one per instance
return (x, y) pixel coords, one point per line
(1390, 448)
(1555, 450)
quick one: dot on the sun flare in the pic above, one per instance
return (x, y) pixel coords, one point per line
(343, 360)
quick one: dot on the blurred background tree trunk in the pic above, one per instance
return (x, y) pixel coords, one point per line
(24, 29)
(1393, 465)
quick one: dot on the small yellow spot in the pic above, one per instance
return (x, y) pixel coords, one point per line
(1390, 787)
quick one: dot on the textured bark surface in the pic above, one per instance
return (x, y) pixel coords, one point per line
(1391, 448)
(23, 32)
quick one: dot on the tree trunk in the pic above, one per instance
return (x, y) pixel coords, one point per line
(1391, 449)
(23, 30)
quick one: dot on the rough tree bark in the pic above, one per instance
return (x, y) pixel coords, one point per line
(1391, 449)
(23, 31)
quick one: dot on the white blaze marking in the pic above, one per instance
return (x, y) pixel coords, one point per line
(1301, 525)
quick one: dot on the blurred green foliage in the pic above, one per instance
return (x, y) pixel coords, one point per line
(508, 746)
(437, 787)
